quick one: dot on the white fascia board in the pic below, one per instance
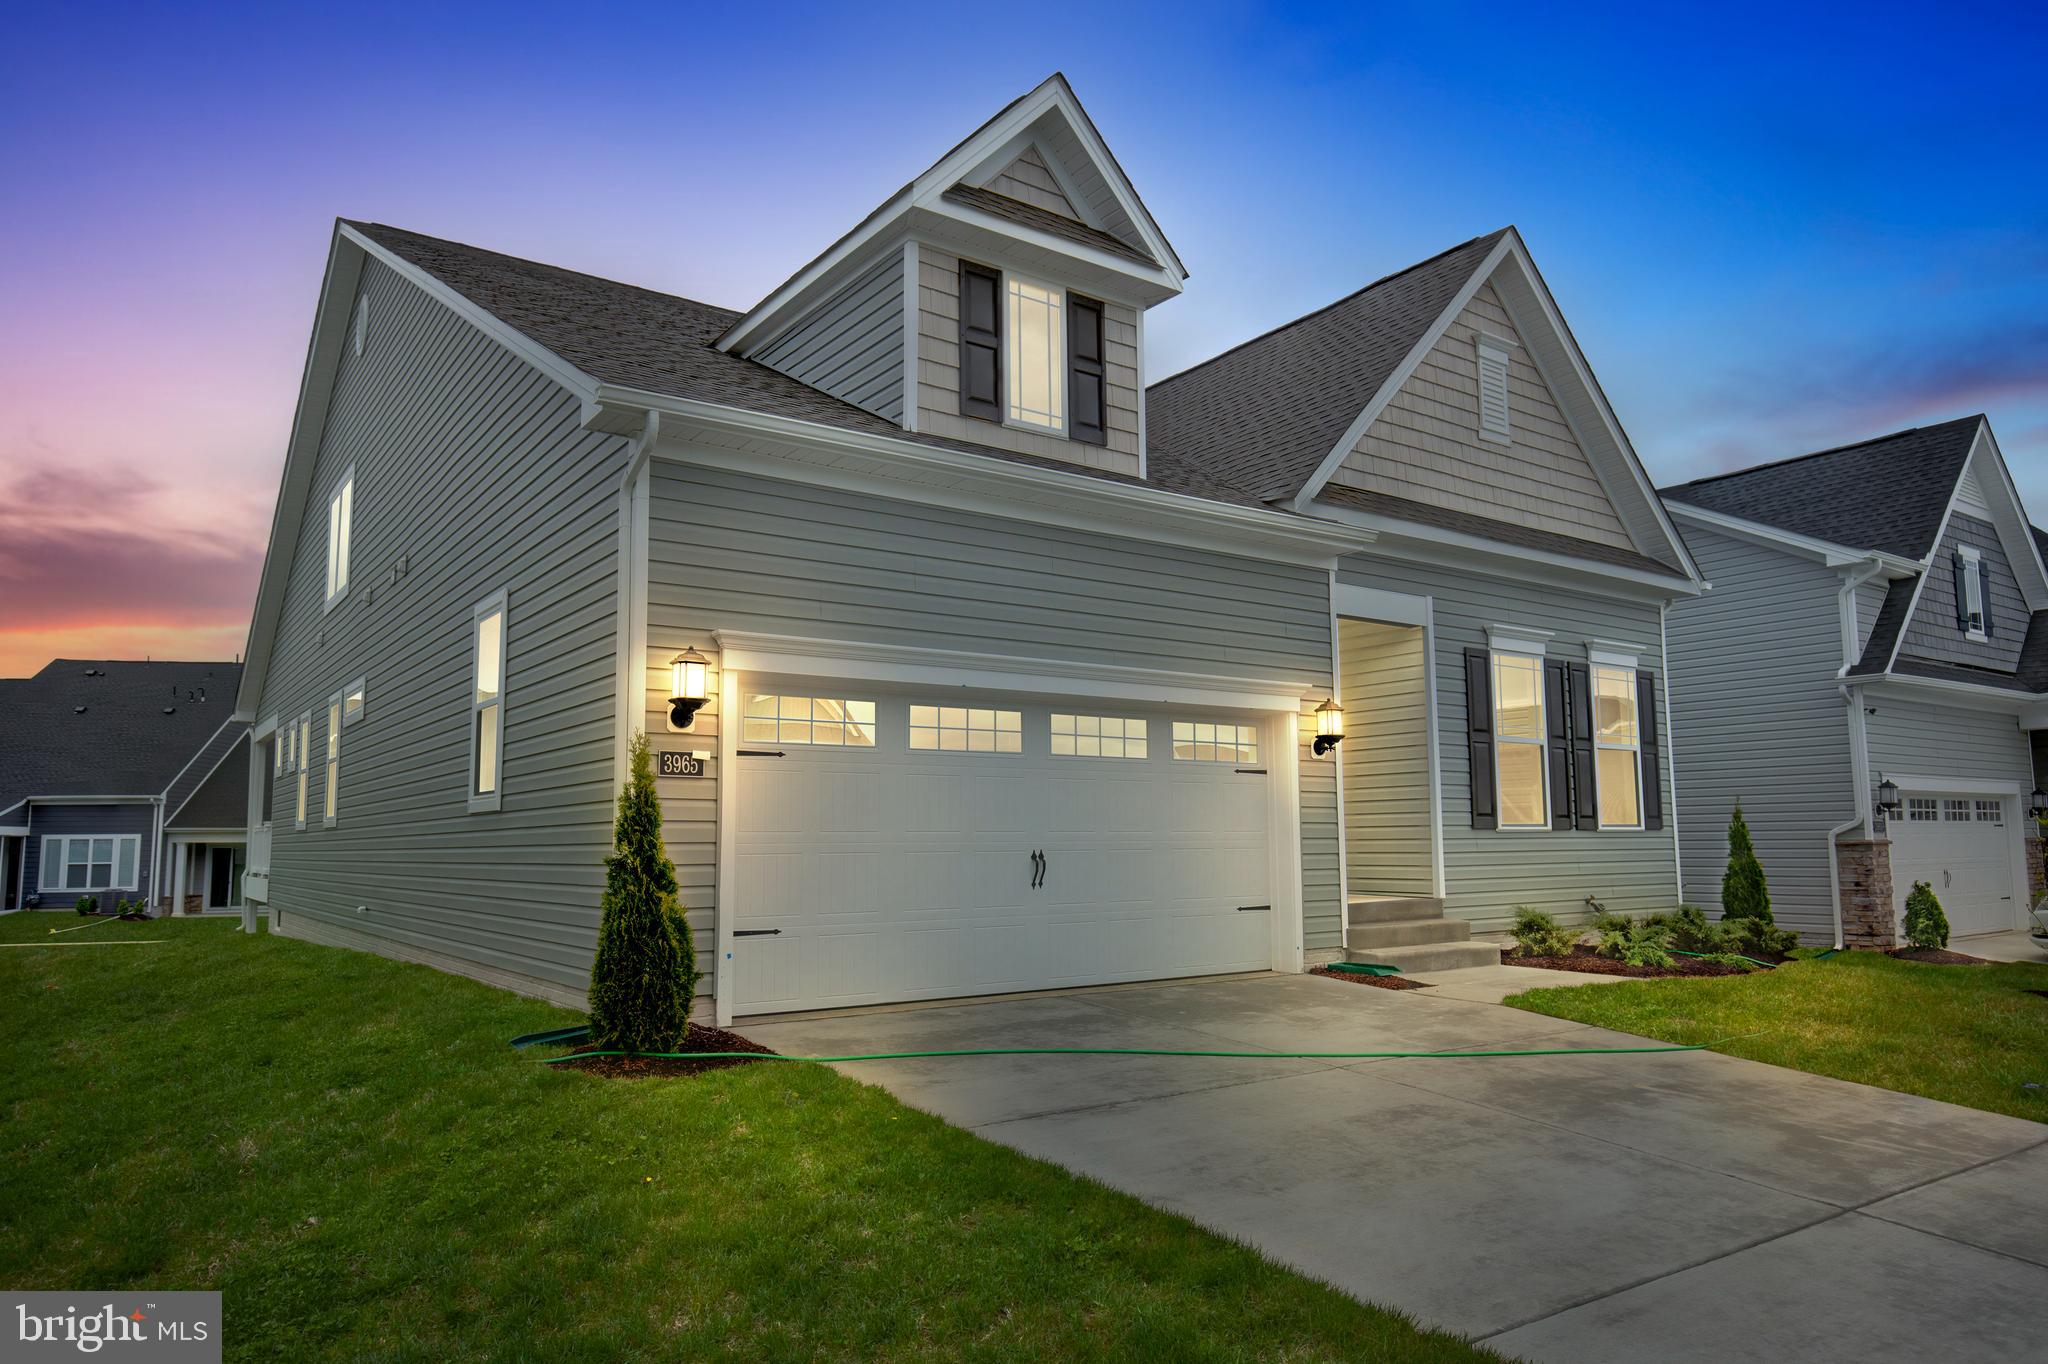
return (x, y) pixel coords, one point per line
(1417, 543)
(1801, 546)
(1972, 786)
(910, 470)
(1160, 281)
(2009, 516)
(904, 665)
(195, 758)
(1350, 602)
(1304, 501)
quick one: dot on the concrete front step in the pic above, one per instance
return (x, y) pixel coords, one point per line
(1408, 932)
(1436, 956)
(1370, 909)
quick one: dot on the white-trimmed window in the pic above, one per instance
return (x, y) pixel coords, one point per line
(1991, 812)
(91, 862)
(280, 740)
(1955, 811)
(1922, 809)
(352, 701)
(1521, 757)
(328, 798)
(827, 721)
(340, 516)
(1107, 736)
(487, 702)
(1035, 353)
(966, 729)
(1970, 578)
(362, 323)
(1494, 423)
(1617, 748)
(305, 764)
(1205, 741)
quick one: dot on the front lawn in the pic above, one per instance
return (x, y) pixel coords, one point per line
(347, 1148)
(1970, 1035)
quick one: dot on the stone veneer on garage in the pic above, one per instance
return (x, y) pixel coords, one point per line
(1868, 918)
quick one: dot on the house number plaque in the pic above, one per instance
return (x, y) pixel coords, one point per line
(675, 764)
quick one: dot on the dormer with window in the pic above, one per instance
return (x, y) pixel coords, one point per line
(998, 300)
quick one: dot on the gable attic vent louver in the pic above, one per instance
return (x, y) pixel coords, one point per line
(1493, 389)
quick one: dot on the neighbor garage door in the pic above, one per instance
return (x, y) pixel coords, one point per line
(921, 846)
(1962, 846)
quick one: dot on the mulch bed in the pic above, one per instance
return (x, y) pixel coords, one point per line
(1362, 978)
(699, 1038)
(1940, 956)
(1590, 962)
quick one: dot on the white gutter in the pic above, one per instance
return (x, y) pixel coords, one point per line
(1852, 649)
(1670, 748)
(632, 595)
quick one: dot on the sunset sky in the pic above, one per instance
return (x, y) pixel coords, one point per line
(1772, 231)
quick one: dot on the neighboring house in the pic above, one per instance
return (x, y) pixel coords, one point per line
(1014, 663)
(1879, 613)
(103, 766)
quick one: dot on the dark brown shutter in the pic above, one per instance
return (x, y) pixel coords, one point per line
(981, 342)
(1962, 593)
(1557, 737)
(1479, 736)
(1653, 749)
(1087, 396)
(1585, 782)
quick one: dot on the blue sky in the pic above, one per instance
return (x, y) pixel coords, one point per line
(1772, 229)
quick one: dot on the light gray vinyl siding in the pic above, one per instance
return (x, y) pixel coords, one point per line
(1488, 872)
(1386, 758)
(472, 475)
(1910, 739)
(1933, 632)
(852, 346)
(736, 552)
(45, 821)
(1758, 716)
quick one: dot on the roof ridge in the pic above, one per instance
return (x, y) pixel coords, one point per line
(1334, 303)
(1816, 454)
(545, 265)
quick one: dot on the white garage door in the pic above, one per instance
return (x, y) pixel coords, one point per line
(907, 846)
(1960, 845)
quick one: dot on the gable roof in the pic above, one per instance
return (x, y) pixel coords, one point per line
(221, 800)
(1889, 493)
(1889, 625)
(1045, 220)
(1266, 413)
(661, 343)
(141, 724)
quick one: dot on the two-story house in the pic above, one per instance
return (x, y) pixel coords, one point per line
(1869, 678)
(975, 663)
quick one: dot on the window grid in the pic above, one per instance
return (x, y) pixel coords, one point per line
(1521, 756)
(1618, 747)
(1036, 353)
(1991, 811)
(1207, 741)
(1955, 810)
(821, 721)
(1106, 736)
(1922, 809)
(966, 729)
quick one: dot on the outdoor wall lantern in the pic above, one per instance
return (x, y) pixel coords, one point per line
(2037, 806)
(1887, 795)
(686, 690)
(1329, 727)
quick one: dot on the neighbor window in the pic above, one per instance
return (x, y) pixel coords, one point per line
(966, 729)
(327, 811)
(89, 862)
(821, 720)
(1521, 761)
(1618, 748)
(305, 762)
(487, 702)
(1036, 345)
(1106, 736)
(1205, 742)
(340, 512)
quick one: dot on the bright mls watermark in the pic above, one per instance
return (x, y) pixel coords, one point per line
(176, 1328)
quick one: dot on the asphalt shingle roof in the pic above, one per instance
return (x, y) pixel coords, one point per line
(222, 800)
(1045, 220)
(639, 338)
(123, 743)
(1264, 414)
(1886, 494)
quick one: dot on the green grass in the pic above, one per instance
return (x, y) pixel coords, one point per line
(1969, 1035)
(348, 1150)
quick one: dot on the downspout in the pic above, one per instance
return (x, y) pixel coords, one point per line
(1859, 743)
(630, 572)
(1670, 748)
(156, 844)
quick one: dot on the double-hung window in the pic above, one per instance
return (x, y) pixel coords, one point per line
(1617, 747)
(305, 749)
(340, 514)
(329, 809)
(91, 862)
(487, 702)
(1521, 764)
(1031, 355)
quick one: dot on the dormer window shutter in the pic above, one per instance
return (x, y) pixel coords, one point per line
(1479, 736)
(1962, 571)
(981, 342)
(1088, 414)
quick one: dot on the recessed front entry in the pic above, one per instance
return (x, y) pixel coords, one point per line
(897, 846)
(1388, 845)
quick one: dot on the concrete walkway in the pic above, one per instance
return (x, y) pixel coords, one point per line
(1684, 1206)
(2014, 946)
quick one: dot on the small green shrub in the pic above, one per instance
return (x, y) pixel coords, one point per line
(1758, 938)
(1693, 931)
(1638, 942)
(1926, 925)
(1745, 893)
(86, 904)
(1539, 935)
(645, 973)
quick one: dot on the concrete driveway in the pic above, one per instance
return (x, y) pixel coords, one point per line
(1683, 1206)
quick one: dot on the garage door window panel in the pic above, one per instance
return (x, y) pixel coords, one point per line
(1206, 741)
(966, 729)
(1100, 736)
(825, 722)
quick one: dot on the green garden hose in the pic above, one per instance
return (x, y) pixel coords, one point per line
(1114, 1051)
(1768, 966)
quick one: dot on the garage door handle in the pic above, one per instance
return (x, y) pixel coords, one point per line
(1037, 869)
(756, 932)
(762, 753)
(1252, 909)
(1251, 771)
